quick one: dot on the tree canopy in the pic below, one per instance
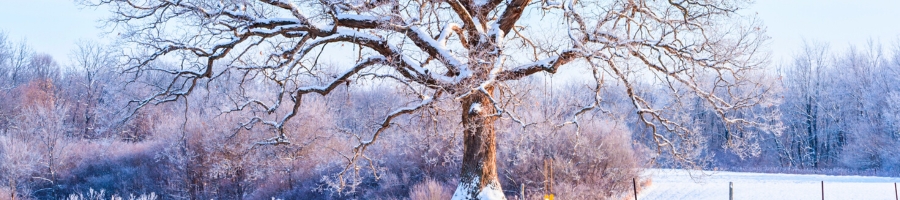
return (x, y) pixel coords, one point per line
(701, 52)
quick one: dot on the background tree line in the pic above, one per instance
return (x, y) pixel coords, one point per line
(62, 133)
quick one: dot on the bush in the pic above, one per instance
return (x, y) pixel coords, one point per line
(101, 195)
(209, 157)
(114, 168)
(598, 162)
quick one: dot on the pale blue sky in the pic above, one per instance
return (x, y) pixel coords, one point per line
(53, 26)
(840, 23)
(49, 26)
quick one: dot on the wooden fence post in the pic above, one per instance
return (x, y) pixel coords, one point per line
(634, 183)
(548, 177)
(522, 192)
(730, 191)
(823, 190)
(896, 197)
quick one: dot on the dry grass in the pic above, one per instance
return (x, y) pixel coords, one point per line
(430, 190)
(5, 192)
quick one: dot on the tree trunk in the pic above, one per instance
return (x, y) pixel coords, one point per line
(478, 178)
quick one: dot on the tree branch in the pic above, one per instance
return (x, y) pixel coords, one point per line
(549, 65)
(512, 14)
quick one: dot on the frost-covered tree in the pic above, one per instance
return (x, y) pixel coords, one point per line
(805, 113)
(839, 108)
(462, 51)
(17, 62)
(17, 162)
(862, 105)
(5, 54)
(43, 66)
(92, 62)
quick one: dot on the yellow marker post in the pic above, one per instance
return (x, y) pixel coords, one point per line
(548, 197)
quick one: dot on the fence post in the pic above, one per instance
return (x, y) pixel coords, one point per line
(634, 183)
(730, 191)
(823, 190)
(548, 176)
(522, 192)
(896, 197)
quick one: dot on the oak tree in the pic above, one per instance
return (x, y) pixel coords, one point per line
(462, 51)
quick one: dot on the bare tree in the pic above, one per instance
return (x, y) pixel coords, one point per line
(93, 62)
(5, 54)
(17, 162)
(862, 102)
(6, 83)
(805, 80)
(457, 50)
(43, 66)
(47, 127)
(18, 62)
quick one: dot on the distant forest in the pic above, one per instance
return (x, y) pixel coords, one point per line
(71, 131)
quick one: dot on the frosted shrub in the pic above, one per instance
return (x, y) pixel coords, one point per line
(597, 163)
(101, 195)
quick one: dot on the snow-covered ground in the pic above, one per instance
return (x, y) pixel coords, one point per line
(679, 184)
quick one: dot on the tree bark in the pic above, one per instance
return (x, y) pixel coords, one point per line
(478, 177)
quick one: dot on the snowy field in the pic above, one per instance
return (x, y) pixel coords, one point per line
(678, 184)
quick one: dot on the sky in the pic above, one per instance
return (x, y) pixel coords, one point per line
(54, 26)
(840, 23)
(50, 26)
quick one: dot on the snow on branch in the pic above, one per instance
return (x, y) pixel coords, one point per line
(344, 77)
(549, 65)
(447, 30)
(472, 24)
(511, 15)
(437, 49)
